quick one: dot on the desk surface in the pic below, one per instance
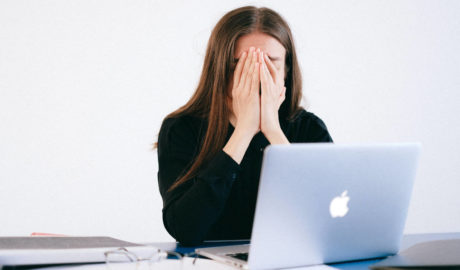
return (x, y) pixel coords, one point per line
(408, 241)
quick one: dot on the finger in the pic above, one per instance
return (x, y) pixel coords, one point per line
(282, 96)
(266, 74)
(263, 75)
(249, 75)
(239, 69)
(271, 67)
(255, 79)
(246, 69)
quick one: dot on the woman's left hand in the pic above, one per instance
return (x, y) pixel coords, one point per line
(272, 96)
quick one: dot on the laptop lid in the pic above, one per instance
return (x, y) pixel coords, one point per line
(322, 202)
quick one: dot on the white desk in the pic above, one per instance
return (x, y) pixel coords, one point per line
(187, 263)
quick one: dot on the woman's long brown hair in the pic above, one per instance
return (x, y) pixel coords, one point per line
(210, 98)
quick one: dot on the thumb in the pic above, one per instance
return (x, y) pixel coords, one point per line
(283, 92)
(282, 96)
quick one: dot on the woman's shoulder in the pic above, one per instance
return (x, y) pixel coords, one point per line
(180, 122)
(306, 126)
(181, 127)
(303, 116)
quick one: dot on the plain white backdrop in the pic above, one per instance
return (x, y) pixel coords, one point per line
(84, 86)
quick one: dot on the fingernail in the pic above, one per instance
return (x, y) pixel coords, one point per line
(251, 49)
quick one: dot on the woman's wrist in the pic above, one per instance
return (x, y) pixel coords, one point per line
(276, 136)
(238, 144)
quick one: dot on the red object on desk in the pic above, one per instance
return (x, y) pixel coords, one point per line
(45, 234)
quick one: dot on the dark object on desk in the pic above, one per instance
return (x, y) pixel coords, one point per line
(210, 243)
(443, 254)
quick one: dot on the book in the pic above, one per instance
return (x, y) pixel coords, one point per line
(45, 250)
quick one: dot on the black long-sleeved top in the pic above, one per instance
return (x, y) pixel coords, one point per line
(220, 202)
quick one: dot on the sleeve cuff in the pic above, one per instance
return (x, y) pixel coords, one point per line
(221, 166)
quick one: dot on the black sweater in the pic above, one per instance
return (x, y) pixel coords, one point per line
(219, 203)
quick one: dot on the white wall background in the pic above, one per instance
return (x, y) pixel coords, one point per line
(84, 86)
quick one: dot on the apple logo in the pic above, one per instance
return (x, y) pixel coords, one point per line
(338, 206)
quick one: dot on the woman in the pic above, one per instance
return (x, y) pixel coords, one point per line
(210, 150)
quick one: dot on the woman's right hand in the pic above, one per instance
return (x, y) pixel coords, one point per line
(245, 93)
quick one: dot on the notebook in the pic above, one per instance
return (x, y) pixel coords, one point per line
(62, 250)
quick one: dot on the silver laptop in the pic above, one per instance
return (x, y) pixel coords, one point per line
(322, 203)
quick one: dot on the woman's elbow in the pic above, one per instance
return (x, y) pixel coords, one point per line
(181, 232)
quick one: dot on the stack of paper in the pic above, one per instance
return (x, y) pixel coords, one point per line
(63, 250)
